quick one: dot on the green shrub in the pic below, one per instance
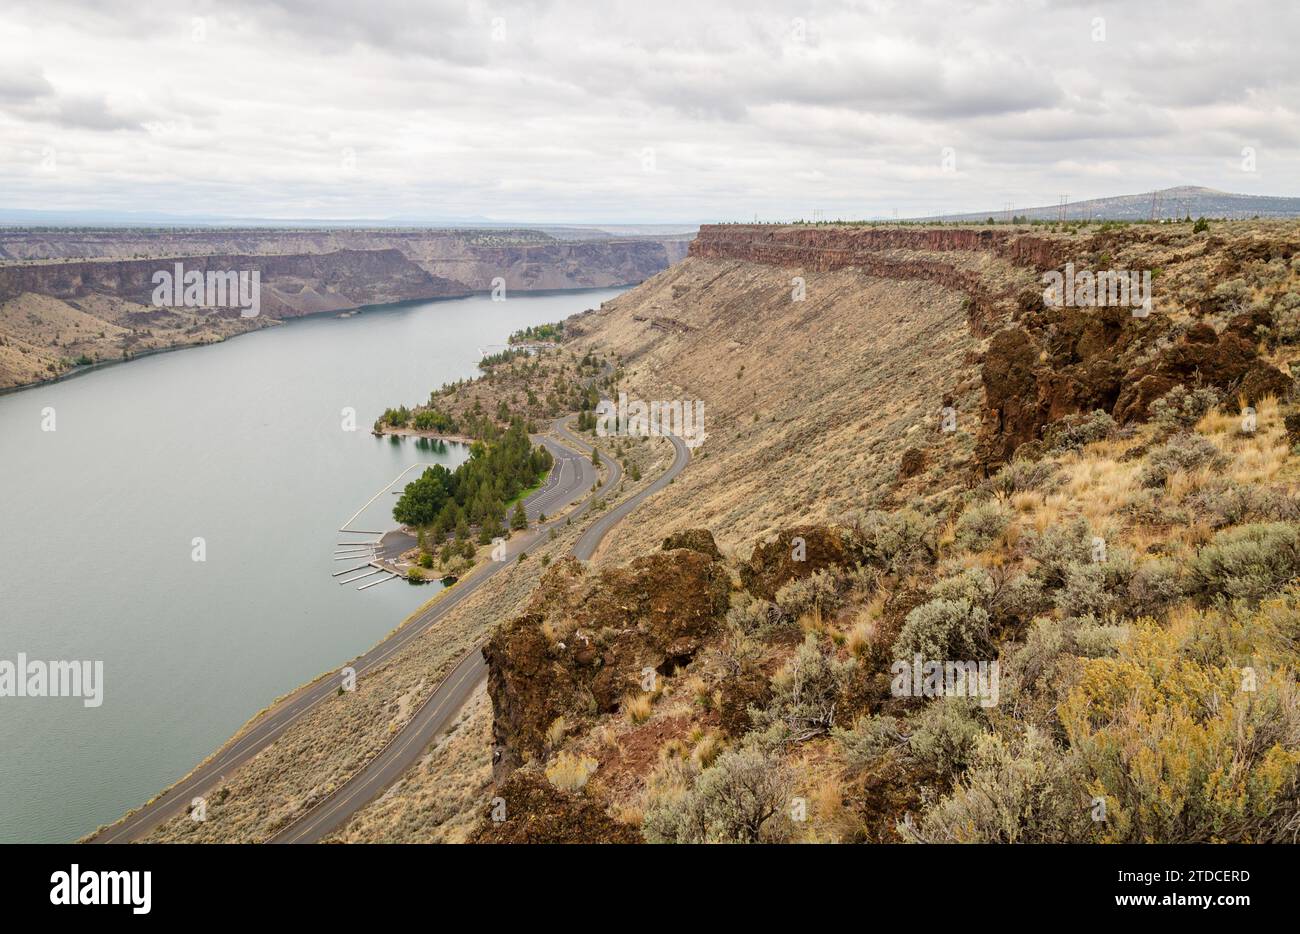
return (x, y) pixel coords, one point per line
(1006, 597)
(1181, 452)
(1099, 640)
(1014, 791)
(944, 736)
(896, 540)
(1058, 549)
(944, 629)
(751, 615)
(741, 798)
(974, 585)
(1074, 431)
(1234, 504)
(805, 694)
(1096, 588)
(1247, 563)
(980, 525)
(1179, 751)
(1180, 409)
(1040, 656)
(818, 592)
(1154, 587)
(868, 740)
(1021, 475)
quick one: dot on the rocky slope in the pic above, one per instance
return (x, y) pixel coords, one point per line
(739, 682)
(815, 401)
(291, 285)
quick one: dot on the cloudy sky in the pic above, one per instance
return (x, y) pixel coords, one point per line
(639, 111)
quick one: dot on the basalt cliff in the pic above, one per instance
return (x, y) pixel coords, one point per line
(71, 298)
(913, 454)
(827, 356)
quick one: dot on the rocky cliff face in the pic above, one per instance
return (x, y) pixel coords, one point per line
(290, 285)
(585, 264)
(1045, 362)
(68, 295)
(587, 640)
(526, 259)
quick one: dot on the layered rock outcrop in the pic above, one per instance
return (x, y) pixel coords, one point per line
(290, 285)
(586, 640)
(1043, 362)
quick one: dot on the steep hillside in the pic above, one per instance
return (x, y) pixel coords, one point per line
(1073, 618)
(814, 405)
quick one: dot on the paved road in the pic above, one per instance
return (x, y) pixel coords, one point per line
(571, 478)
(437, 713)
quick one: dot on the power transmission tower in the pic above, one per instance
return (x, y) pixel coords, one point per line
(1063, 212)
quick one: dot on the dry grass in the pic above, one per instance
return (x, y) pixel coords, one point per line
(555, 733)
(707, 749)
(638, 707)
(569, 772)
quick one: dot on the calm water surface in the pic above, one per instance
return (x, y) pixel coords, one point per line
(239, 444)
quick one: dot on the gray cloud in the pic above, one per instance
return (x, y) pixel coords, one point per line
(667, 111)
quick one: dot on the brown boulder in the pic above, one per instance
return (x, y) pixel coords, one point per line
(586, 639)
(774, 564)
(1011, 415)
(535, 811)
(1062, 361)
(1292, 423)
(1228, 361)
(531, 683)
(700, 540)
(739, 690)
(913, 463)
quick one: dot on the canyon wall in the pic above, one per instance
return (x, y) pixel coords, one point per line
(76, 296)
(895, 324)
(527, 259)
(290, 285)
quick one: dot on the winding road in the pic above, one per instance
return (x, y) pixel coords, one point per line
(572, 475)
(437, 713)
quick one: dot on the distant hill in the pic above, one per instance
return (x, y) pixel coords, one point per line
(1162, 204)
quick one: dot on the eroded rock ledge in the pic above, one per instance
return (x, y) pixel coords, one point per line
(1044, 363)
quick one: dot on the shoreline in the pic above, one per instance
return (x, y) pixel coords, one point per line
(421, 433)
(356, 311)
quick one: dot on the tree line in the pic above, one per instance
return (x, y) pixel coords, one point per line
(476, 493)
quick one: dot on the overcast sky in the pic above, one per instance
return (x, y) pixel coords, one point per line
(637, 112)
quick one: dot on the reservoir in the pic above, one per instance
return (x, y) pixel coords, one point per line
(242, 445)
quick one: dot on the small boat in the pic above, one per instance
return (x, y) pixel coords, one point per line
(449, 580)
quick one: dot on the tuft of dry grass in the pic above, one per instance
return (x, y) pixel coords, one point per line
(638, 707)
(707, 750)
(698, 690)
(569, 772)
